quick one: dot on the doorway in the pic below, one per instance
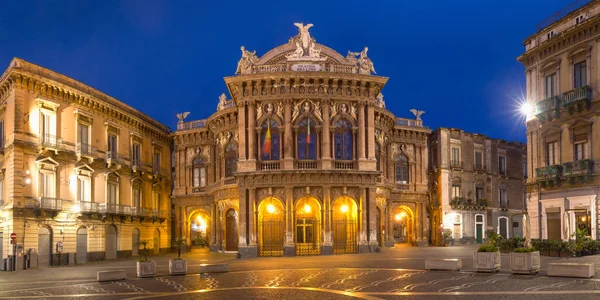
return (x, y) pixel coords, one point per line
(44, 247)
(231, 230)
(135, 242)
(82, 246)
(111, 242)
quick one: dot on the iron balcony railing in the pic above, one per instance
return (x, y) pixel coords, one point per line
(306, 164)
(89, 207)
(549, 105)
(409, 122)
(549, 172)
(115, 209)
(191, 125)
(85, 149)
(50, 203)
(344, 164)
(580, 167)
(51, 141)
(583, 93)
(139, 212)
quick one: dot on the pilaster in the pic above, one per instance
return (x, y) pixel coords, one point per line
(328, 213)
(326, 138)
(288, 154)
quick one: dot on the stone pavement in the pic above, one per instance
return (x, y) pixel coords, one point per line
(391, 274)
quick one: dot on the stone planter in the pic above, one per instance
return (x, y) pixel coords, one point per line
(177, 266)
(525, 263)
(486, 261)
(146, 269)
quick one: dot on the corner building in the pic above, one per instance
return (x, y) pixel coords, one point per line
(562, 63)
(304, 159)
(84, 176)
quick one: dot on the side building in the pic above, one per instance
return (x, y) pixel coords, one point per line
(304, 159)
(477, 186)
(562, 63)
(84, 176)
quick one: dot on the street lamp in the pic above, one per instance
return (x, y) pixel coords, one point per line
(526, 109)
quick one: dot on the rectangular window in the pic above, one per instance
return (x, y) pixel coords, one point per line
(47, 182)
(455, 191)
(84, 189)
(551, 85)
(455, 157)
(83, 139)
(581, 147)
(112, 193)
(478, 160)
(137, 197)
(136, 155)
(502, 165)
(552, 153)
(156, 162)
(503, 198)
(156, 201)
(478, 193)
(112, 146)
(579, 75)
(2, 134)
(199, 177)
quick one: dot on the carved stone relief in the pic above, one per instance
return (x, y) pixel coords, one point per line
(337, 192)
(264, 193)
(316, 192)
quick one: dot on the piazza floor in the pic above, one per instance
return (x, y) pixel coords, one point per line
(394, 273)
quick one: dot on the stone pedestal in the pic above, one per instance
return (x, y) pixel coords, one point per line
(289, 250)
(364, 249)
(326, 164)
(248, 252)
(327, 250)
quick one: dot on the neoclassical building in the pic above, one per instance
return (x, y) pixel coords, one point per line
(561, 63)
(477, 186)
(304, 159)
(83, 177)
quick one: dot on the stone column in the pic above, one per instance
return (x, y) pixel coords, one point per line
(251, 132)
(289, 248)
(252, 217)
(214, 240)
(389, 217)
(327, 217)
(361, 134)
(246, 230)
(288, 154)
(418, 222)
(241, 131)
(372, 213)
(326, 142)
(363, 244)
(372, 165)
(242, 229)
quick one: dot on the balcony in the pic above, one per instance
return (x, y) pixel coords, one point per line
(269, 165)
(403, 186)
(85, 150)
(580, 167)
(114, 209)
(344, 165)
(88, 207)
(468, 204)
(577, 99)
(548, 109)
(306, 164)
(136, 164)
(159, 214)
(456, 164)
(548, 173)
(191, 125)
(50, 141)
(138, 212)
(48, 203)
(229, 180)
(478, 167)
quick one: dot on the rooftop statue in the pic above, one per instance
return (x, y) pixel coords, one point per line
(222, 101)
(182, 116)
(304, 34)
(379, 100)
(365, 65)
(417, 113)
(305, 46)
(245, 64)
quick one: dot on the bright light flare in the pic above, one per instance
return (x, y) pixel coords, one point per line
(271, 208)
(526, 109)
(307, 208)
(344, 208)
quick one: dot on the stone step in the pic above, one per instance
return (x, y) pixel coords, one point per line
(110, 275)
(453, 264)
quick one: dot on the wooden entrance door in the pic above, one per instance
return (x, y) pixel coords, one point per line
(231, 231)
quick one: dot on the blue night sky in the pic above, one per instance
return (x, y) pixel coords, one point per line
(454, 59)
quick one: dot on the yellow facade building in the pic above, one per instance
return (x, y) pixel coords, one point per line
(84, 176)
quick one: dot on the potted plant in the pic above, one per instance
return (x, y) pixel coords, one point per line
(178, 266)
(447, 237)
(487, 258)
(525, 261)
(145, 268)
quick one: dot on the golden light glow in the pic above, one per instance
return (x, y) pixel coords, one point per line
(201, 223)
(398, 217)
(76, 208)
(583, 219)
(73, 183)
(306, 208)
(402, 214)
(344, 208)
(271, 208)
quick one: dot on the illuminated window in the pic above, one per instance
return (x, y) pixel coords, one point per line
(269, 141)
(402, 169)
(307, 139)
(231, 160)
(199, 175)
(343, 144)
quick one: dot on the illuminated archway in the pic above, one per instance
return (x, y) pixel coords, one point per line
(199, 228)
(403, 225)
(270, 227)
(308, 226)
(345, 225)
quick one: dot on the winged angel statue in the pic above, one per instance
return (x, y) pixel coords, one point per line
(417, 113)
(182, 116)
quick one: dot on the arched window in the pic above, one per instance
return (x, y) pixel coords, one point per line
(199, 175)
(402, 169)
(230, 160)
(343, 140)
(269, 140)
(307, 139)
(377, 156)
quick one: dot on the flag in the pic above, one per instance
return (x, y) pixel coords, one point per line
(308, 132)
(266, 146)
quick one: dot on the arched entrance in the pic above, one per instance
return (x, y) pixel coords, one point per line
(81, 246)
(135, 242)
(308, 226)
(231, 230)
(199, 228)
(403, 225)
(270, 227)
(44, 247)
(111, 242)
(156, 241)
(345, 225)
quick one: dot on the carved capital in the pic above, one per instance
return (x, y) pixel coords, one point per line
(288, 101)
